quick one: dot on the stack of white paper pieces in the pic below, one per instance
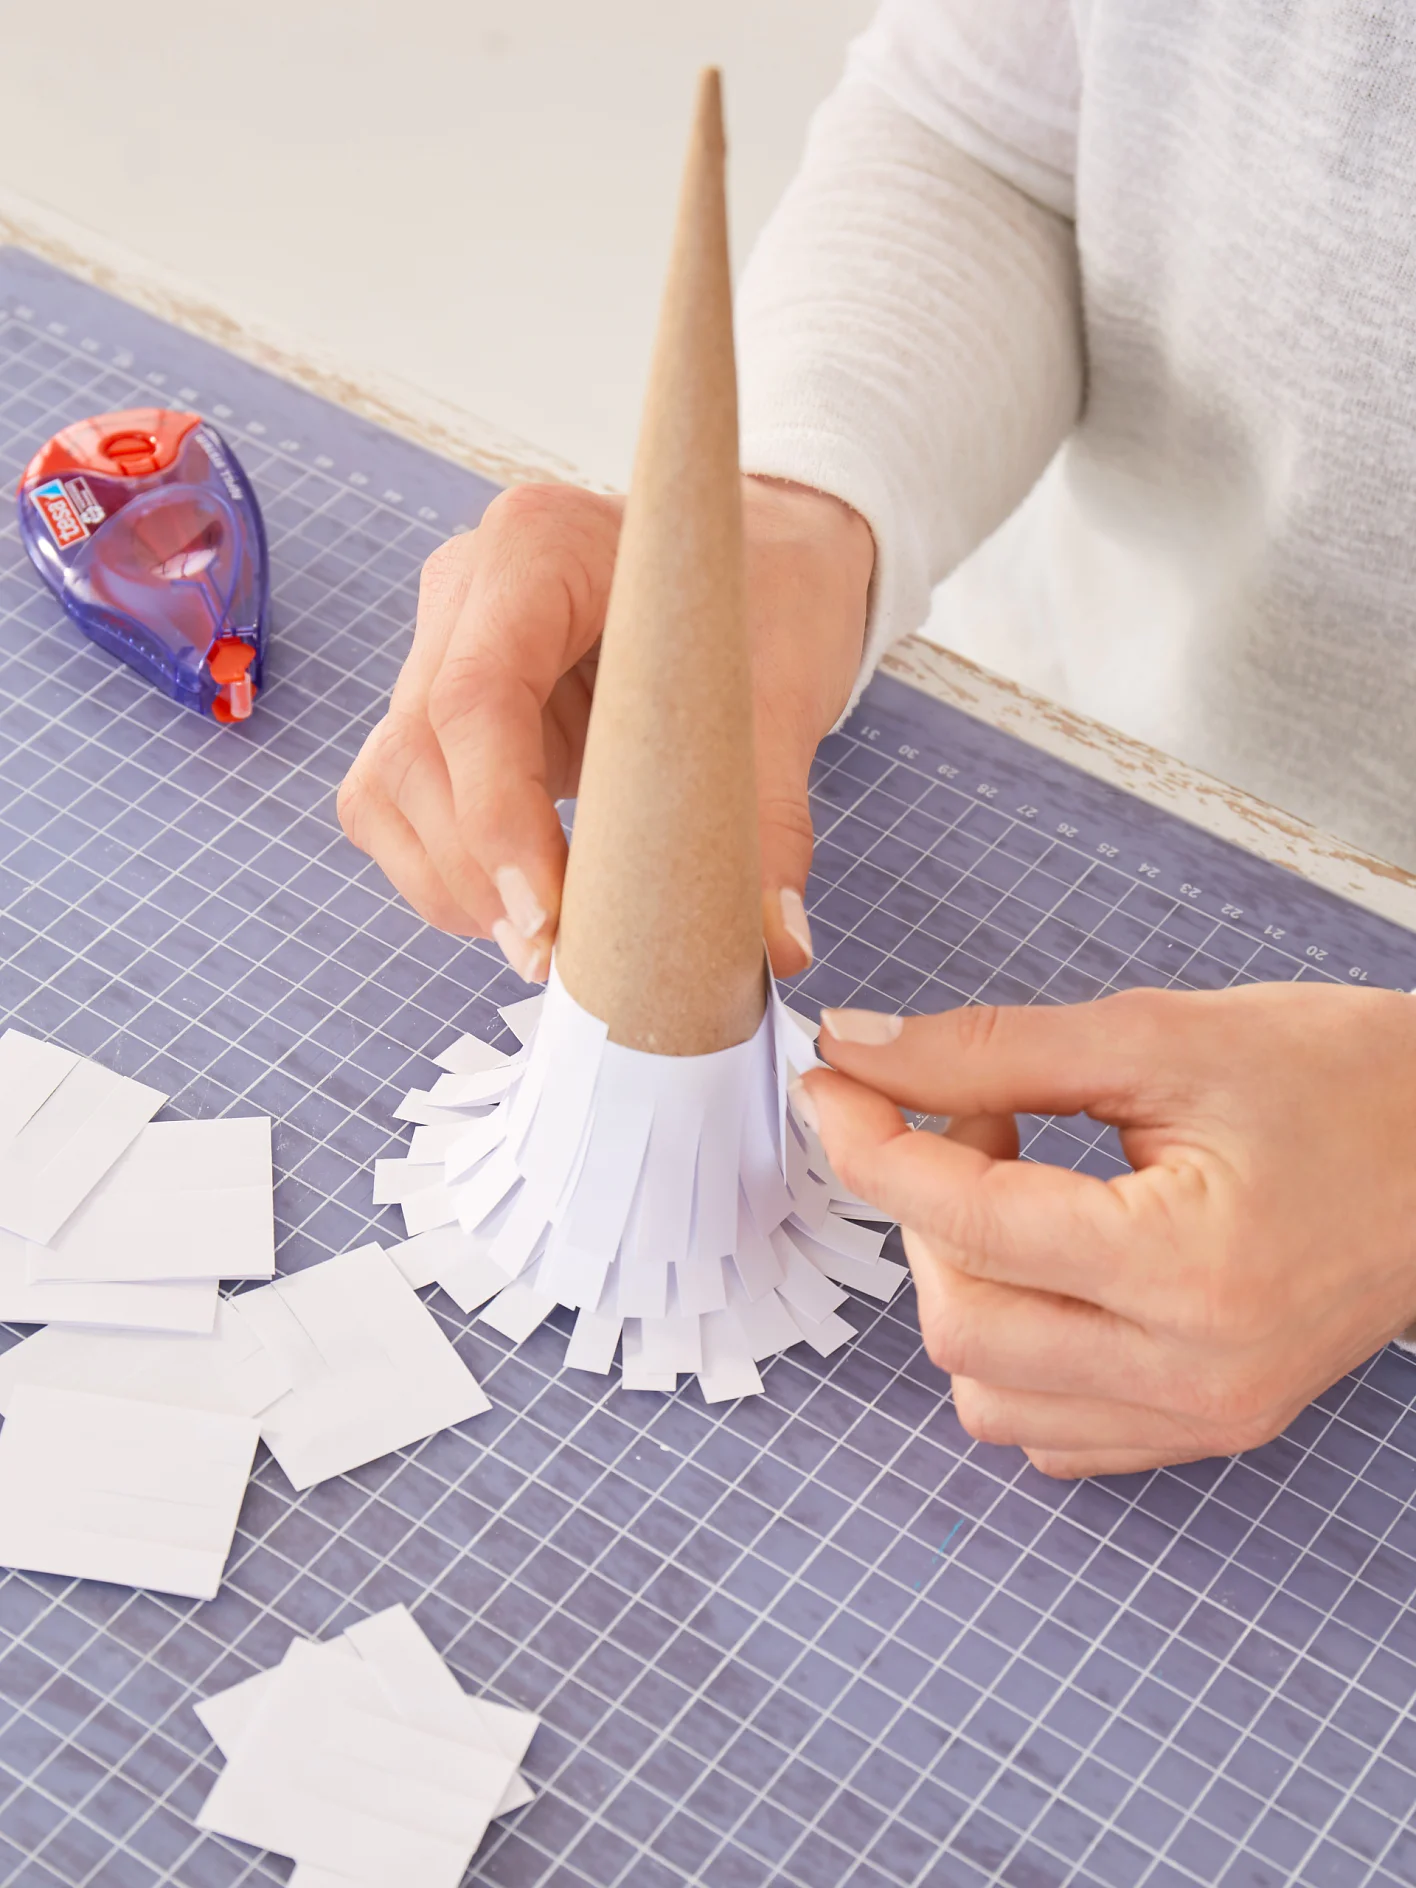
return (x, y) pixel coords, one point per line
(110, 1218)
(677, 1203)
(365, 1760)
(369, 1368)
(125, 1457)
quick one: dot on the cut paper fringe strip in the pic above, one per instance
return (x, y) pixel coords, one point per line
(678, 1204)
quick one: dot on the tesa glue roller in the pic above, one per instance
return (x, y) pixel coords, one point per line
(145, 527)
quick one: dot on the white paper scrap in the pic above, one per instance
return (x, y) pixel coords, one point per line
(398, 1180)
(549, 1116)
(637, 1374)
(187, 1305)
(849, 1206)
(755, 1259)
(480, 1196)
(663, 1225)
(418, 1259)
(227, 1370)
(474, 1090)
(474, 1141)
(593, 1343)
(428, 1210)
(523, 1018)
(188, 1199)
(728, 1370)
(839, 1234)
(327, 1773)
(701, 1285)
(372, 1371)
(800, 1034)
(426, 1693)
(418, 1106)
(767, 1324)
(518, 1311)
(521, 1236)
(804, 1287)
(825, 1335)
(453, 1259)
(668, 1345)
(416, 1685)
(469, 1054)
(577, 1279)
(110, 1488)
(228, 1714)
(811, 1196)
(67, 1145)
(30, 1071)
(473, 1280)
(430, 1143)
(882, 1278)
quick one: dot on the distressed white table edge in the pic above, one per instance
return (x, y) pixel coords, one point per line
(1103, 752)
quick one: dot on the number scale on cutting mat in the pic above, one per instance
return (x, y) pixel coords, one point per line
(816, 1638)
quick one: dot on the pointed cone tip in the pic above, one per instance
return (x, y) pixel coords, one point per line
(661, 923)
(708, 107)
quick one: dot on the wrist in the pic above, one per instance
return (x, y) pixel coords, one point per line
(783, 511)
(810, 557)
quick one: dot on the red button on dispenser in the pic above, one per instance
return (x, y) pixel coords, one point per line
(129, 445)
(135, 454)
(228, 661)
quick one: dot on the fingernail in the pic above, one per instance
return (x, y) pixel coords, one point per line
(804, 1106)
(794, 919)
(522, 905)
(531, 962)
(871, 1027)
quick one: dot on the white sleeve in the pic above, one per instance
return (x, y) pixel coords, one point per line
(1000, 79)
(909, 328)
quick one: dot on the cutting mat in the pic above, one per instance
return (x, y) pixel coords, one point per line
(820, 1638)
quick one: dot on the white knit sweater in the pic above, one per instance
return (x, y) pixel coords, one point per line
(1182, 240)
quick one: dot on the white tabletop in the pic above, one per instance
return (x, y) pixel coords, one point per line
(471, 197)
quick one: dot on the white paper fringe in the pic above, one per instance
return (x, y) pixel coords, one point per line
(678, 1204)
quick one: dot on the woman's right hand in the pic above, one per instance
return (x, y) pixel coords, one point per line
(453, 793)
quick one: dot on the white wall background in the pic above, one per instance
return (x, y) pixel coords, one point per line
(469, 196)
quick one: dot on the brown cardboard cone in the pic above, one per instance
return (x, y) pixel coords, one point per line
(661, 922)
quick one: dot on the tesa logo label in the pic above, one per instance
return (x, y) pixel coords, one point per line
(65, 524)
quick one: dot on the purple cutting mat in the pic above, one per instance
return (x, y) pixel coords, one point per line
(819, 1638)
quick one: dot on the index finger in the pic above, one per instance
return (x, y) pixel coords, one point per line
(443, 584)
(533, 608)
(1100, 1058)
(1013, 1222)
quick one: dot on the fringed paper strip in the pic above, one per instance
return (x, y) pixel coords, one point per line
(678, 1204)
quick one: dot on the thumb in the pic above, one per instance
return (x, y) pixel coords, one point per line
(785, 838)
